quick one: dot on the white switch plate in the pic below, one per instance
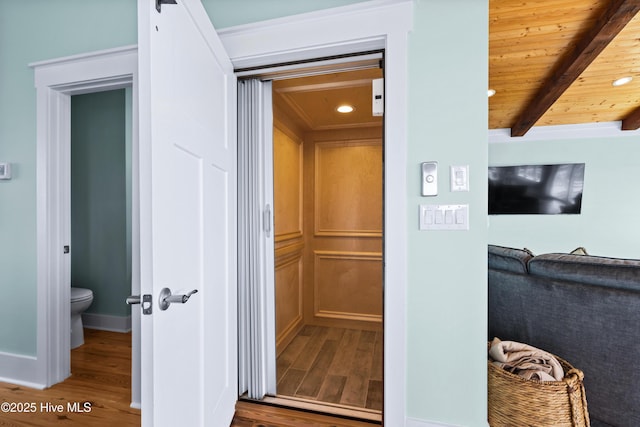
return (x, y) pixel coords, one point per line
(444, 217)
(5, 170)
(459, 179)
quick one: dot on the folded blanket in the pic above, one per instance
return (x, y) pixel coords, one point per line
(526, 361)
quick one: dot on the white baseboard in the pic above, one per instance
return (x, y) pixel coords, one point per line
(106, 322)
(20, 370)
(414, 422)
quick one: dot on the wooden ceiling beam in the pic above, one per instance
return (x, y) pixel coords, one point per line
(632, 121)
(616, 16)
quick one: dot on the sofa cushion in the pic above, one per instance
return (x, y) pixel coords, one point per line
(592, 327)
(508, 259)
(586, 269)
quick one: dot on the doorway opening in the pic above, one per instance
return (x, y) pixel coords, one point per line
(101, 220)
(101, 256)
(328, 203)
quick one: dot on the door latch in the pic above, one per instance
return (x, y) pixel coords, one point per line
(147, 302)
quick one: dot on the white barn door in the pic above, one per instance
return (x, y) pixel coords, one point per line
(188, 215)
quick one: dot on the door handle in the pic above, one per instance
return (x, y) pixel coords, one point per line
(166, 298)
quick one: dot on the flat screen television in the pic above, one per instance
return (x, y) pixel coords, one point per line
(536, 189)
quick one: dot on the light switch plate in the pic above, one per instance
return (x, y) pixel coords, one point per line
(459, 179)
(444, 217)
(5, 170)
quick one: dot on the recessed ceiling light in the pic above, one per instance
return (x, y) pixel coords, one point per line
(491, 92)
(344, 109)
(622, 81)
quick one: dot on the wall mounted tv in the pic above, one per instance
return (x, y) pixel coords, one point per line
(536, 189)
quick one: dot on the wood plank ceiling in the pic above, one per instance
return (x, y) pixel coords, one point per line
(553, 63)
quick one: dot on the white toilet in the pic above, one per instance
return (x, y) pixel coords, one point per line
(81, 299)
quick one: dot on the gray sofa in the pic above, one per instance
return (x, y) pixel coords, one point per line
(585, 309)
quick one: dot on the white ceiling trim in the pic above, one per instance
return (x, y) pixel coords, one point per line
(577, 131)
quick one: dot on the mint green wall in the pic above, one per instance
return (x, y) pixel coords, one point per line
(99, 200)
(35, 30)
(446, 308)
(608, 223)
(227, 13)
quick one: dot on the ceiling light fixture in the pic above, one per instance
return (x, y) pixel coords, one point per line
(622, 81)
(491, 92)
(344, 109)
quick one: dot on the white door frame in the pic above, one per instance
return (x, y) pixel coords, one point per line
(373, 25)
(56, 81)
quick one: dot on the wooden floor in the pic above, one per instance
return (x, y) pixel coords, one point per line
(98, 393)
(333, 365)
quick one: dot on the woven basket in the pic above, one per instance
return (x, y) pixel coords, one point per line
(518, 402)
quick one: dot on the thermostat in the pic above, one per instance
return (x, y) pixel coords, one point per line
(5, 170)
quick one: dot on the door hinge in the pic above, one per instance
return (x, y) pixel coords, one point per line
(159, 4)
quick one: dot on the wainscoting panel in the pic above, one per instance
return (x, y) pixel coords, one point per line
(289, 315)
(348, 188)
(343, 228)
(347, 285)
(287, 171)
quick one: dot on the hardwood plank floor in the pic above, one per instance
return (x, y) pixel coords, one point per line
(98, 393)
(333, 365)
(101, 380)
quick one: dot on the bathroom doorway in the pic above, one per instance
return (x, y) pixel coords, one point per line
(100, 250)
(101, 186)
(328, 233)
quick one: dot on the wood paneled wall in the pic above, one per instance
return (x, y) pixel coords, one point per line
(288, 236)
(343, 180)
(328, 228)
